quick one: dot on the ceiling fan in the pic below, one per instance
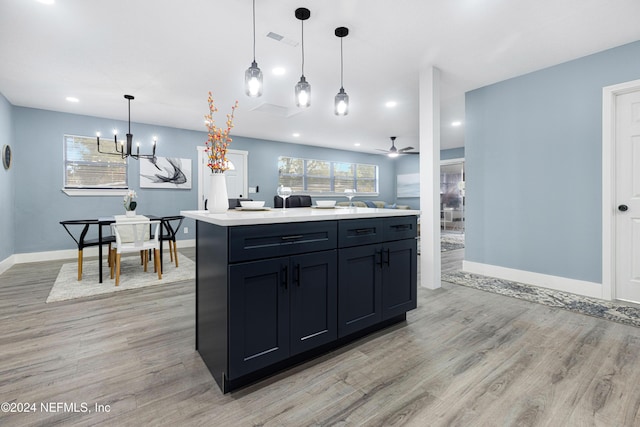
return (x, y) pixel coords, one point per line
(394, 152)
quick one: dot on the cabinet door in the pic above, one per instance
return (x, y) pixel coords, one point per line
(314, 299)
(359, 288)
(258, 315)
(399, 277)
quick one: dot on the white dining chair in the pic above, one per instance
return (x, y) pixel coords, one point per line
(133, 236)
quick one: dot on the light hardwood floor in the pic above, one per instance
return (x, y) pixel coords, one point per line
(464, 358)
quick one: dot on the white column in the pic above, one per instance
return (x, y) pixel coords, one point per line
(430, 177)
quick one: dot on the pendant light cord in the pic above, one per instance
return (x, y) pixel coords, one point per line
(302, 23)
(254, 30)
(341, 65)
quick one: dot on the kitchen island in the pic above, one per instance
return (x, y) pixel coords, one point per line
(277, 287)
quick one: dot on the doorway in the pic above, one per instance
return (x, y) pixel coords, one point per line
(237, 176)
(621, 192)
(452, 196)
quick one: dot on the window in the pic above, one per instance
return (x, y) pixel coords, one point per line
(321, 177)
(86, 168)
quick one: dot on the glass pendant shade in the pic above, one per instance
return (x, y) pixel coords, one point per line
(253, 81)
(303, 93)
(342, 103)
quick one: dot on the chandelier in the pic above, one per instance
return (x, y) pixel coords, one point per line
(120, 149)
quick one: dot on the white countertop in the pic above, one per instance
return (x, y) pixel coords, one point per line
(277, 216)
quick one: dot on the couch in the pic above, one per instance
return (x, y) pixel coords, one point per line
(372, 204)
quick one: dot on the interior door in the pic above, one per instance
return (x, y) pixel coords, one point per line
(237, 177)
(627, 216)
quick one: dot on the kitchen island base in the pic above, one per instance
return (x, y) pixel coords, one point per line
(272, 296)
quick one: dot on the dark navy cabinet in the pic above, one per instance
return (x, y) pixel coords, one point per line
(399, 277)
(376, 281)
(258, 315)
(271, 296)
(360, 288)
(314, 300)
(280, 307)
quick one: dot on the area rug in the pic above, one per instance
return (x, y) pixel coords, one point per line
(132, 276)
(451, 241)
(621, 313)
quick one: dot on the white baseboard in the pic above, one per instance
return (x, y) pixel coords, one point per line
(7, 263)
(69, 254)
(579, 287)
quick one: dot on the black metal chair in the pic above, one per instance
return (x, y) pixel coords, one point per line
(170, 227)
(83, 242)
(293, 201)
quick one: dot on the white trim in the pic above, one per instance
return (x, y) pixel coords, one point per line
(579, 287)
(69, 254)
(609, 94)
(94, 192)
(452, 161)
(7, 263)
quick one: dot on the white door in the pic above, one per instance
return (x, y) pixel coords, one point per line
(237, 178)
(627, 197)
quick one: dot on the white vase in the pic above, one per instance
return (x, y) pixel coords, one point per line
(130, 213)
(217, 200)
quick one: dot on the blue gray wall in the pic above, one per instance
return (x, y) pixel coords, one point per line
(38, 174)
(7, 184)
(411, 164)
(533, 166)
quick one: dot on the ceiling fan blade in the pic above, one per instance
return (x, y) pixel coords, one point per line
(384, 151)
(400, 150)
(410, 152)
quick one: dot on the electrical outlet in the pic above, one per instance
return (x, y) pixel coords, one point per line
(253, 190)
(186, 230)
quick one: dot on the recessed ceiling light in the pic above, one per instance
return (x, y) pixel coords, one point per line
(72, 99)
(390, 104)
(296, 135)
(279, 71)
(456, 123)
(357, 144)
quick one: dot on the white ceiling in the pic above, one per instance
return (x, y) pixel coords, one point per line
(169, 54)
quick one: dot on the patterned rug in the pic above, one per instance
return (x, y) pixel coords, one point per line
(625, 314)
(132, 276)
(451, 241)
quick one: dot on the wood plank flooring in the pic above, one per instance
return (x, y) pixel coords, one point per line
(464, 358)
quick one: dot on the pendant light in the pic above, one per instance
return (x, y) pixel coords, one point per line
(303, 88)
(253, 75)
(342, 99)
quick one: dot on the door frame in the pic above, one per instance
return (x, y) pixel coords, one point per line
(609, 95)
(202, 169)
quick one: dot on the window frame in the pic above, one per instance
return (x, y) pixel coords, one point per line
(332, 177)
(89, 191)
